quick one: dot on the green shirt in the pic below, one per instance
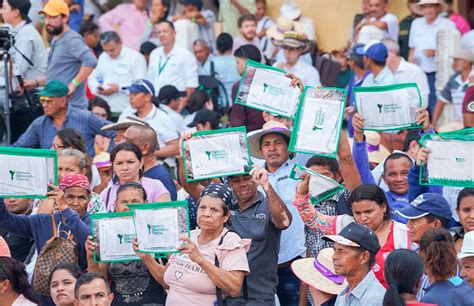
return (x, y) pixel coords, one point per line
(343, 78)
(403, 36)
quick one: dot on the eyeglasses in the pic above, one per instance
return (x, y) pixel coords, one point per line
(46, 100)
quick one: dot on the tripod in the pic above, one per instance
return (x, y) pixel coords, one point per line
(6, 101)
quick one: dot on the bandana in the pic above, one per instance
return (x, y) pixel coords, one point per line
(223, 192)
(74, 180)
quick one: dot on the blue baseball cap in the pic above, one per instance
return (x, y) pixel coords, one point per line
(376, 50)
(427, 204)
(142, 85)
(356, 52)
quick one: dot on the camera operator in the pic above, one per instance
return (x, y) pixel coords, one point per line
(28, 63)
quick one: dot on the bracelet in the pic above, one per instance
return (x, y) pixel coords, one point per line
(75, 83)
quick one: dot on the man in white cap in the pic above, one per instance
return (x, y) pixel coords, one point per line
(291, 11)
(454, 91)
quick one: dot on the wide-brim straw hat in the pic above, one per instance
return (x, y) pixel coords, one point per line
(376, 151)
(310, 271)
(441, 3)
(293, 39)
(464, 54)
(255, 138)
(124, 124)
(277, 30)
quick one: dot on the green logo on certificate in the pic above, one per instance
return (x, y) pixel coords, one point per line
(125, 238)
(318, 120)
(156, 230)
(380, 107)
(12, 173)
(460, 159)
(265, 86)
(216, 154)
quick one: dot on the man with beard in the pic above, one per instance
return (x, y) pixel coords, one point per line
(248, 32)
(70, 60)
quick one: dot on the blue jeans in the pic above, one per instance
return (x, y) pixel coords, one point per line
(432, 96)
(288, 287)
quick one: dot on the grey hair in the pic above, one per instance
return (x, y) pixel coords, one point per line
(75, 153)
(200, 42)
(109, 36)
(391, 45)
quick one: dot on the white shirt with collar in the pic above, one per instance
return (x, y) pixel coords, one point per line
(411, 73)
(178, 68)
(423, 37)
(176, 117)
(308, 73)
(392, 25)
(385, 77)
(127, 67)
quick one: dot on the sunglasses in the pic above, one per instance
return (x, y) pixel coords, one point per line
(46, 100)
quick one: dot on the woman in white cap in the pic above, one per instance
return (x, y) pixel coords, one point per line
(466, 258)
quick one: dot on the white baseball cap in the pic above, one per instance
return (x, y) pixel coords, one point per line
(467, 249)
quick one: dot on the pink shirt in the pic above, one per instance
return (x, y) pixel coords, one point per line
(460, 22)
(4, 249)
(131, 21)
(154, 189)
(189, 283)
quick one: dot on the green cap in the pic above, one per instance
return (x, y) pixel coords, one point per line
(54, 89)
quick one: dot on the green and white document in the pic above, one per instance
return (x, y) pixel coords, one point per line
(26, 173)
(160, 225)
(318, 121)
(387, 108)
(217, 153)
(266, 88)
(320, 187)
(451, 160)
(114, 234)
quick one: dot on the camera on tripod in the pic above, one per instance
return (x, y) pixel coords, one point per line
(7, 40)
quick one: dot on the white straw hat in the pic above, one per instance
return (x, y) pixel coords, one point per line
(467, 249)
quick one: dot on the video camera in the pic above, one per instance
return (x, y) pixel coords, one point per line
(7, 40)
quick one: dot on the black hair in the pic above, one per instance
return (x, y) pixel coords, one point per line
(99, 102)
(14, 271)
(372, 193)
(248, 52)
(147, 47)
(72, 138)
(246, 17)
(358, 61)
(379, 63)
(126, 146)
(87, 27)
(196, 3)
(430, 218)
(394, 156)
(224, 42)
(197, 100)
(412, 135)
(403, 270)
(167, 22)
(323, 161)
(132, 185)
(23, 14)
(109, 36)
(73, 269)
(88, 278)
(167, 4)
(464, 193)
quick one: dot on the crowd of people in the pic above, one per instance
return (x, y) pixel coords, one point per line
(115, 91)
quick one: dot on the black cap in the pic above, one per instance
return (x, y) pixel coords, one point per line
(358, 236)
(23, 6)
(203, 116)
(170, 92)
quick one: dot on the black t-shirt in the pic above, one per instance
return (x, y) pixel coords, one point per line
(19, 245)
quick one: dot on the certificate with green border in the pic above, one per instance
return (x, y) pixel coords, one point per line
(318, 121)
(160, 225)
(26, 173)
(320, 187)
(386, 108)
(451, 159)
(210, 154)
(114, 234)
(266, 88)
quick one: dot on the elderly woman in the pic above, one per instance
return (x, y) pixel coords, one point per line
(127, 165)
(213, 262)
(131, 282)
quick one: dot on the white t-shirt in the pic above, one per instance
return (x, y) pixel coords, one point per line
(423, 37)
(392, 26)
(308, 73)
(411, 73)
(178, 68)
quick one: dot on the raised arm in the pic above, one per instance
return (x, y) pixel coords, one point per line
(349, 170)
(16, 224)
(359, 151)
(414, 187)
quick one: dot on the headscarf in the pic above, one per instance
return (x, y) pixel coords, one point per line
(75, 180)
(223, 192)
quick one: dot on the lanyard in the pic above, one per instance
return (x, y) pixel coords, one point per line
(161, 68)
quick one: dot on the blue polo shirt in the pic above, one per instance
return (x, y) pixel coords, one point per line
(453, 292)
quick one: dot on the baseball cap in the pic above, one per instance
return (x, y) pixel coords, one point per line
(425, 204)
(142, 85)
(55, 8)
(356, 52)
(357, 235)
(54, 89)
(204, 115)
(376, 50)
(467, 249)
(169, 92)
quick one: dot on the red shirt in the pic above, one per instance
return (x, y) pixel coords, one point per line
(379, 265)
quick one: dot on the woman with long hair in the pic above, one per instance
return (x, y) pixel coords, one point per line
(61, 283)
(14, 286)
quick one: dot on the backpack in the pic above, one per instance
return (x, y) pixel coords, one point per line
(211, 85)
(55, 251)
(328, 68)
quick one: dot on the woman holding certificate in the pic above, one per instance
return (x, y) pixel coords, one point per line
(127, 165)
(132, 283)
(212, 263)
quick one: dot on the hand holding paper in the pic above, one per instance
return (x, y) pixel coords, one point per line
(423, 119)
(260, 176)
(191, 250)
(358, 125)
(57, 195)
(422, 156)
(295, 81)
(302, 188)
